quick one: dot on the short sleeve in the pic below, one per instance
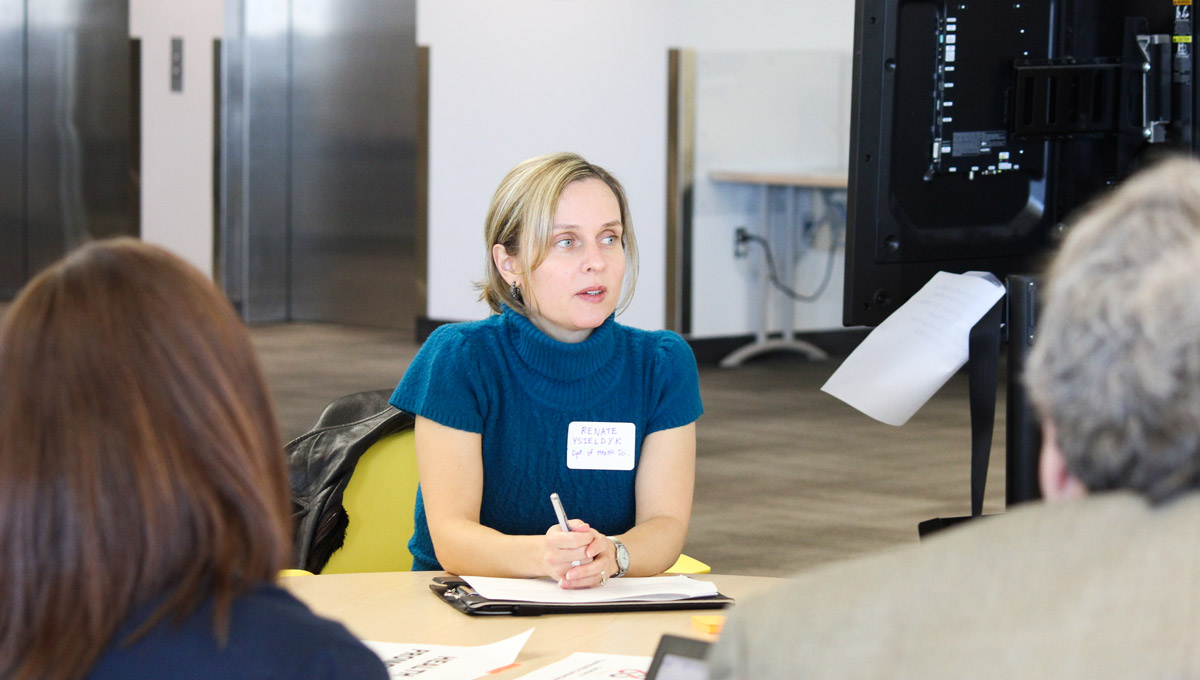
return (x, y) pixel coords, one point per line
(443, 383)
(675, 387)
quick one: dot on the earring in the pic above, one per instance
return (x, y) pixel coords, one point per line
(515, 291)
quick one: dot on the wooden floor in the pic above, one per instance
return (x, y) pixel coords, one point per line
(787, 476)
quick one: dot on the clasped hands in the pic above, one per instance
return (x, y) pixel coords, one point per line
(579, 558)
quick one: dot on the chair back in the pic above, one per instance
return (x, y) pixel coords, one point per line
(362, 441)
(379, 501)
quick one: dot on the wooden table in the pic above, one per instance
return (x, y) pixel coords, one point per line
(399, 607)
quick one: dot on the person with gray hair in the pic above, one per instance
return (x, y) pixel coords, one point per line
(1115, 370)
(1103, 579)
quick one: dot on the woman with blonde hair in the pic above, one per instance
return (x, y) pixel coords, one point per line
(550, 395)
(144, 500)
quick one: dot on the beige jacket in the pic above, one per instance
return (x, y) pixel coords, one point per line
(1103, 587)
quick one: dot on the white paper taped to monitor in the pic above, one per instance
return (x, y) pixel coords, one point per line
(909, 356)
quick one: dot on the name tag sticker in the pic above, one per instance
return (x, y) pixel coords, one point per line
(600, 446)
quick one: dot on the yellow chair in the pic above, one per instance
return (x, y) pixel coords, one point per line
(379, 501)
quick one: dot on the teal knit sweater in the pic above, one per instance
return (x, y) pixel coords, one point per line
(505, 379)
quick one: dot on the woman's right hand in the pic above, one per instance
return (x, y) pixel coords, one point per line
(566, 550)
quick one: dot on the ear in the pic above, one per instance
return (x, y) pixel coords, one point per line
(507, 264)
(1055, 478)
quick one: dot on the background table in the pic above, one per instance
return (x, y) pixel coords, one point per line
(803, 192)
(399, 607)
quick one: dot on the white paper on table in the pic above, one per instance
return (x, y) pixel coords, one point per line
(447, 662)
(909, 356)
(655, 588)
(589, 665)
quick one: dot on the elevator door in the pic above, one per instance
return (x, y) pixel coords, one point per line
(325, 188)
(67, 131)
(353, 160)
(12, 146)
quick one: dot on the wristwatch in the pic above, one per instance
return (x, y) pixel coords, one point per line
(622, 557)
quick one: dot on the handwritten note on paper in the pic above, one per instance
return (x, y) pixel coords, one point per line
(588, 665)
(656, 588)
(447, 662)
(909, 356)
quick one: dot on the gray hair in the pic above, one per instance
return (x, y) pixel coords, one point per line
(1116, 362)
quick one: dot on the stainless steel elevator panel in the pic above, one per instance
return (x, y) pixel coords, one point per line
(12, 147)
(255, 205)
(319, 160)
(353, 161)
(79, 126)
(230, 270)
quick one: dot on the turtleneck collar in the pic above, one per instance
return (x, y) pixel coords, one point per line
(594, 360)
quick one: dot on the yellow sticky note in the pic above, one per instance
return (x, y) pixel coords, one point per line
(710, 623)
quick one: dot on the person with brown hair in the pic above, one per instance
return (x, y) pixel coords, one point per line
(144, 500)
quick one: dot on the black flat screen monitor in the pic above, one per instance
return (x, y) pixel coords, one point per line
(979, 125)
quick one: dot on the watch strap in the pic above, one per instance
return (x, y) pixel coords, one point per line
(622, 552)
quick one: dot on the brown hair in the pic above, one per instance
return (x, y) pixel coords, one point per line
(140, 461)
(521, 218)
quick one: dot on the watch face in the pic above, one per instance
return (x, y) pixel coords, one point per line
(622, 556)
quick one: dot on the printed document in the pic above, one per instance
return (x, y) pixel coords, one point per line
(447, 662)
(908, 357)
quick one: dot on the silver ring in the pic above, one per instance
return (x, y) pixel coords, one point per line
(603, 579)
(575, 563)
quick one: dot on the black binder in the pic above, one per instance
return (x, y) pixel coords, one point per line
(459, 594)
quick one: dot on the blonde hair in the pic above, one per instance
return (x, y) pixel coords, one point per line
(521, 218)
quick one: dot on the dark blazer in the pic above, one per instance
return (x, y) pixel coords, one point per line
(272, 635)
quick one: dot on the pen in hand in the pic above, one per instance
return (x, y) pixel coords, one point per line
(558, 511)
(562, 519)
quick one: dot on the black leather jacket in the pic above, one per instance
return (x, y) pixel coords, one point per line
(321, 461)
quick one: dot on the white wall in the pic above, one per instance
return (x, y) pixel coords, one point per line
(780, 111)
(772, 94)
(769, 25)
(177, 127)
(514, 79)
